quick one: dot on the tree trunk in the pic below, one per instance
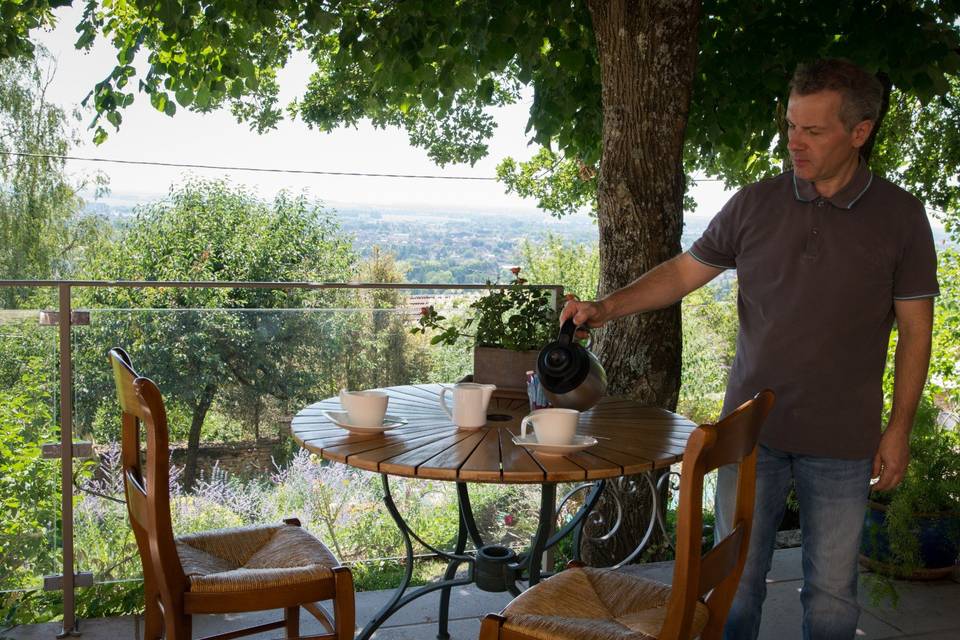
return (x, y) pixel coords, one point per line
(647, 56)
(193, 441)
(647, 53)
(257, 405)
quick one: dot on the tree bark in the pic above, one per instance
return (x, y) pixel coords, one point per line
(257, 406)
(193, 440)
(647, 51)
(647, 54)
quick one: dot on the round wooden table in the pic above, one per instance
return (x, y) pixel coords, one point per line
(632, 439)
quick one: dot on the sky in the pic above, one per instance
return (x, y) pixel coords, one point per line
(218, 139)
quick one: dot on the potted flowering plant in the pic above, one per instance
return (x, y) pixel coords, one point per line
(509, 325)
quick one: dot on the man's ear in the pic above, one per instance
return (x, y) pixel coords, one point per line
(861, 133)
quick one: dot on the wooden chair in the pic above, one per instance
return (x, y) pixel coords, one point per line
(585, 603)
(252, 568)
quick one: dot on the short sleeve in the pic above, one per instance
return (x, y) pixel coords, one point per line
(717, 247)
(916, 271)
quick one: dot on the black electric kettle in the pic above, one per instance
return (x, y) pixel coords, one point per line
(571, 376)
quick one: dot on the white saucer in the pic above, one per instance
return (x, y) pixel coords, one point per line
(341, 419)
(579, 443)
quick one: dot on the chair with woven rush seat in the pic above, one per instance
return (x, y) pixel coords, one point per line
(586, 603)
(254, 568)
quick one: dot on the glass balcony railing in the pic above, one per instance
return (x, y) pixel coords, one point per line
(231, 378)
(235, 361)
(30, 533)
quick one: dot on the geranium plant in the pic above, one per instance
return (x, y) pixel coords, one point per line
(512, 317)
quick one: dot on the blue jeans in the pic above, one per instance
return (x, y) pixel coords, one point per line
(833, 495)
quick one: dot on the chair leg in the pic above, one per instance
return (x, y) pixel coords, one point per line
(177, 626)
(344, 613)
(152, 615)
(291, 618)
(490, 626)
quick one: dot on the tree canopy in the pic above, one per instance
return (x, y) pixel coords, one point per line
(628, 97)
(39, 226)
(213, 340)
(432, 67)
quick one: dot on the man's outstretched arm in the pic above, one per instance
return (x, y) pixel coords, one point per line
(660, 287)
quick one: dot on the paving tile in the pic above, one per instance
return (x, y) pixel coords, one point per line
(782, 615)
(951, 634)
(786, 565)
(96, 629)
(927, 611)
(464, 629)
(924, 607)
(464, 602)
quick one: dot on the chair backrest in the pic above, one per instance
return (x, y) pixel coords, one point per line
(148, 494)
(717, 572)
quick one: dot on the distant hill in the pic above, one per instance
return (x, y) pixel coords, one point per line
(454, 245)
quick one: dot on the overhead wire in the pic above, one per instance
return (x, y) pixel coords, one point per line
(188, 165)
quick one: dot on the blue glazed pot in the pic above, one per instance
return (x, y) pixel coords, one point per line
(939, 537)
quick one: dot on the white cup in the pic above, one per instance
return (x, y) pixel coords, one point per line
(470, 401)
(552, 426)
(364, 408)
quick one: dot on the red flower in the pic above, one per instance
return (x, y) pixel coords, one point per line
(508, 520)
(514, 270)
(521, 281)
(424, 311)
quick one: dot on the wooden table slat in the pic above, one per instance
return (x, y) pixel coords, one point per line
(446, 464)
(594, 466)
(339, 448)
(629, 462)
(406, 463)
(560, 468)
(483, 465)
(518, 464)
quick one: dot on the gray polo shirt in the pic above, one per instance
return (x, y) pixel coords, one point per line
(817, 280)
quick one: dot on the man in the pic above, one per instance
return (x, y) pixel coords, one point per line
(827, 255)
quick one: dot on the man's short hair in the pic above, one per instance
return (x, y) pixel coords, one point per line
(861, 92)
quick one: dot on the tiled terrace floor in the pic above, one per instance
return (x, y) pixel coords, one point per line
(928, 611)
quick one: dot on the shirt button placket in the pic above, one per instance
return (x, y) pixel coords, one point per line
(812, 249)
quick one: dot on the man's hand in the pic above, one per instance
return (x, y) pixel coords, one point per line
(583, 313)
(890, 462)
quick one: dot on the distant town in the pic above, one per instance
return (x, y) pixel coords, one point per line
(458, 246)
(455, 246)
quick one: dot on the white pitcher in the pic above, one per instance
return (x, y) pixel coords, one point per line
(470, 401)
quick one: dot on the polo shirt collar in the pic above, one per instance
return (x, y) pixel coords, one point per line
(843, 199)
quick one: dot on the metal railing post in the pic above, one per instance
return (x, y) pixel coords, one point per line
(66, 462)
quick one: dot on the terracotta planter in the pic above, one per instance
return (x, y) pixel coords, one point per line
(502, 367)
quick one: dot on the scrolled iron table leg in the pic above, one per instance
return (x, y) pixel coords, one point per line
(548, 499)
(467, 529)
(466, 525)
(542, 540)
(399, 600)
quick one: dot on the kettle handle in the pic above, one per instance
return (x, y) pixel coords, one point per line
(569, 330)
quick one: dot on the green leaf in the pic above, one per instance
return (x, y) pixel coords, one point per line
(202, 97)
(184, 96)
